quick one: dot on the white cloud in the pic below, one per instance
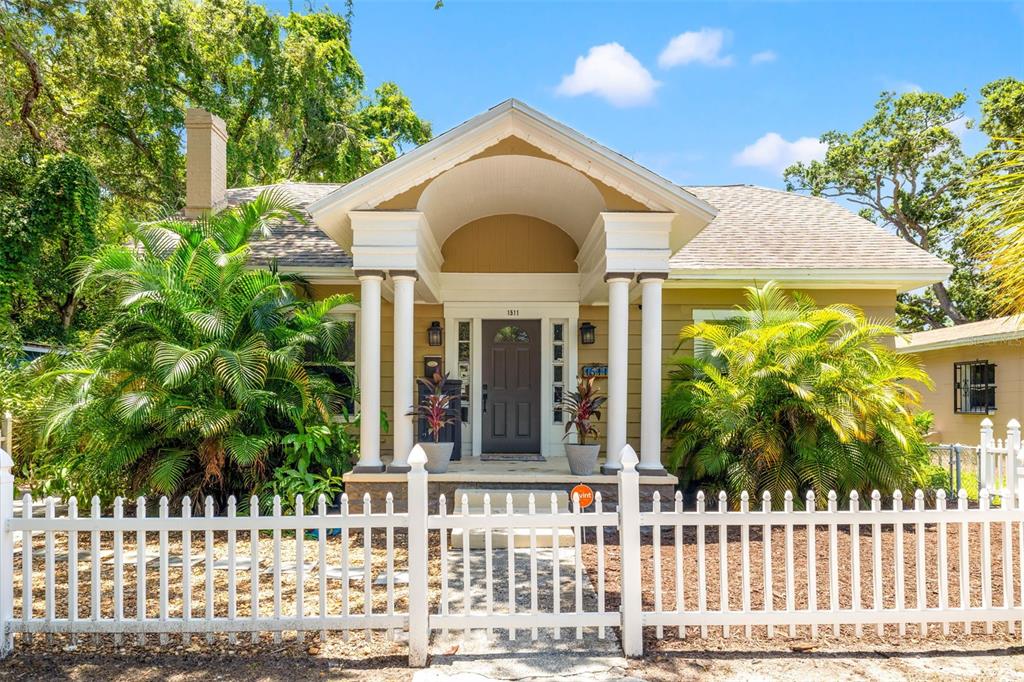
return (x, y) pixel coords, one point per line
(701, 47)
(763, 57)
(773, 152)
(960, 126)
(611, 72)
(908, 86)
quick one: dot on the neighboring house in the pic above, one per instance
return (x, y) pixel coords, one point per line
(977, 370)
(536, 254)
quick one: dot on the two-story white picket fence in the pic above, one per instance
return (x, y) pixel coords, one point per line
(750, 568)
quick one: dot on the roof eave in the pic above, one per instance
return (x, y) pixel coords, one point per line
(901, 280)
(958, 343)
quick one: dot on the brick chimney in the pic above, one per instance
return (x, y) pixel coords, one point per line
(206, 140)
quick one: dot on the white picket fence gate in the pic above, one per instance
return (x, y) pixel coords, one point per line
(750, 569)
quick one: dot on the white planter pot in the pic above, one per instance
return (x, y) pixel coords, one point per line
(438, 456)
(582, 458)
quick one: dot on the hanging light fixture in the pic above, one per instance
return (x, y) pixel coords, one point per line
(434, 334)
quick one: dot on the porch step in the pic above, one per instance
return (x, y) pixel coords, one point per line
(520, 503)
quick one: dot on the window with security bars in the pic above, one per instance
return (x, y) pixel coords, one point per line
(974, 387)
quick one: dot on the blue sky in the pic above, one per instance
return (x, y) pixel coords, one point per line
(702, 93)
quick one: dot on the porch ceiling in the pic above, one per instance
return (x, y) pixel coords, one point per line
(511, 184)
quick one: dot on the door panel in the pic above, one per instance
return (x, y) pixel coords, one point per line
(511, 382)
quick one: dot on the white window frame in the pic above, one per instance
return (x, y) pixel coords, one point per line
(350, 311)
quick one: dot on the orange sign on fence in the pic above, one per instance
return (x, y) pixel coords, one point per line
(585, 493)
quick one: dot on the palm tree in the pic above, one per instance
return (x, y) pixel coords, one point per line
(790, 396)
(206, 363)
(997, 228)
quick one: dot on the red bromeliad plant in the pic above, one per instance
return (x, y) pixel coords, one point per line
(583, 405)
(435, 408)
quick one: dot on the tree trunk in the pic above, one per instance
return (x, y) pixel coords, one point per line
(946, 303)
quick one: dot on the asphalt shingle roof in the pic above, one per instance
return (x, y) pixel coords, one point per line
(985, 331)
(757, 227)
(293, 242)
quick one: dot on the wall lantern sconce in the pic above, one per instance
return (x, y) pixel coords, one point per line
(588, 333)
(434, 334)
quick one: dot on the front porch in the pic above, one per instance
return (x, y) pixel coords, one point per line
(549, 475)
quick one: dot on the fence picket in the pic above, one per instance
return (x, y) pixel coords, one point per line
(300, 563)
(467, 584)
(232, 572)
(1006, 502)
(140, 568)
(556, 576)
(208, 566)
(186, 570)
(276, 569)
(943, 568)
(50, 570)
(855, 559)
(833, 558)
(94, 565)
(164, 601)
(73, 567)
(901, 603)
(577, 532)
(965, 565)
(812, 562)
(533, 566)
(443, 512)
(598, 508)
(986, 559)
(678, 528)
(511, 548)
(876, 559)
(321, 561)
(656, 540)
(745, 556)
(723, 561)
(766, 547)
(389, 541)
(790, 562)
(367, 563)
(919, 563)
(119, 567)
(488, 568)
(254, 563)
(702, 586)
(27, 603)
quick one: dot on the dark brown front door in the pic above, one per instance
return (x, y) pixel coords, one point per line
(511, 385)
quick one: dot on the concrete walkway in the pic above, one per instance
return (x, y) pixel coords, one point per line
(479, 655)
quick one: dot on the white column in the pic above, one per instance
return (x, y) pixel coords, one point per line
(403, 392)
(618, 362)
(369, 373)
(650, 376)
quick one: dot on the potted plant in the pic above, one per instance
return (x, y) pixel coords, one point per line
(435, 409)
(583, 405)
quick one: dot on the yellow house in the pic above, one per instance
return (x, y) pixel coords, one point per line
(535, 255)
(977, 369)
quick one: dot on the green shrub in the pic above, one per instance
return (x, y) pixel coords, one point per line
(790, 396)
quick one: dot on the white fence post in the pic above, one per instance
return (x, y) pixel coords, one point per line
(6, 553)
(983, 454)
(1013, 461)
(629, 553)
(417, 509)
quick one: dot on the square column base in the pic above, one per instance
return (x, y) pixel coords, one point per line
(368, 469)
(610, 470)
(399, 468)
(651, 471)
